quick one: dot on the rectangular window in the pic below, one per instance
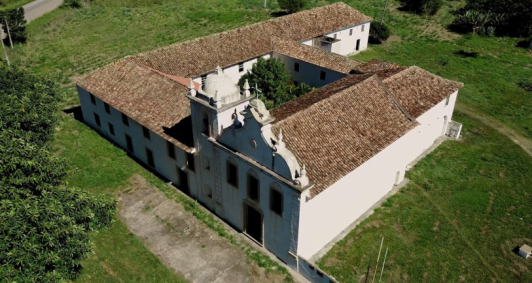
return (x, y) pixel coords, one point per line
(107, 108)
(447, 100)
(362, 27)
(276, 201)
(253, 188)
(97, 119)
(93, 99)
(190, 162)
(241, 67)
(207, 164)
(170, 149)
(319, 273)
(232, 175)
(111, 129)
(296, 67)
(129, 144)
(203, 78)
(146, 133)
(149, 158)
(125, 119)
(350, 32)
(323, 75)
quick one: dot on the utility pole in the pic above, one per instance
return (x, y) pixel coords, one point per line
(384, 11)
(3, 47)
(265, 4)
(8, 33)
(369, 262)
(382, 270)
(377, 264)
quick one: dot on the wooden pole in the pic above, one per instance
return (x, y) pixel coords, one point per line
(369, 262)
(377, 264)
(8, 33)
(382, 270)
(3, 47)
(384, 11)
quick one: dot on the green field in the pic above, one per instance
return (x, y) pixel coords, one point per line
(458, 219)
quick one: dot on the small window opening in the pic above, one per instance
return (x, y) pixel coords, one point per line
(319, 273)
(170, 149)
(253, 188)
(276, 201)
(97, 120)
(149, 158)
(107, 108)
(296, 67)
(111, 129)
(362, 27)
(129, 144)
(350, 32)
(447, 100)
(232, 174)
(241, 67)
(207, 164)
(125, 119)
(322, 75)
(146, 133)
(93, 99)
(190, 162)
(203, 78)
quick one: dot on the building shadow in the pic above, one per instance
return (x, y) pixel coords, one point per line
(466, 54)
(75, 112)
(277, 14)
(525, 43)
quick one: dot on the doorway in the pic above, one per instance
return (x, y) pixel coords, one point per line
(358, 45)
(182, 178)
(253, 223)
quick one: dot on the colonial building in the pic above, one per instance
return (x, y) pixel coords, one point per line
(291, 178)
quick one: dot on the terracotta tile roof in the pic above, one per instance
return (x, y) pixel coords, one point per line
(202, 55)
(180, 80)
(314, 55)
(147, 97)
(336, 134)
(382, 69)
(418, 90)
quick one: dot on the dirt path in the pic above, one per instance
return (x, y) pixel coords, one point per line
(182, 242)
(513, 135)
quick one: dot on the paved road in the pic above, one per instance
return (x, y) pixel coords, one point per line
(38, 8)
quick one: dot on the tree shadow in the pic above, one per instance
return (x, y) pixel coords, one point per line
(374, 40)
(277, 14)
(525, 43)
(75, 112)
(466, 54)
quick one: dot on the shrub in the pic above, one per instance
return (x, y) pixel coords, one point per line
(425, 7)
(379, 32)
(17, 24)
(292, 6)
(71, 4)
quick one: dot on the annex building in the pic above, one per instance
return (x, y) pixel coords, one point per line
(293, 177)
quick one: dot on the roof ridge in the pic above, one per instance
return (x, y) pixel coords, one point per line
(395, 100)
(316, 104)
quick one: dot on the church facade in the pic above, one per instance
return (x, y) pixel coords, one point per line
(293, 177)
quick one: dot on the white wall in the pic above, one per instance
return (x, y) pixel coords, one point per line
(164, 165)
(308, 73)
(333, 210)
(233, 72)
(348, 42)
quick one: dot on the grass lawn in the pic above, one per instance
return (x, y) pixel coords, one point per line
(465, 210)
(11, 4)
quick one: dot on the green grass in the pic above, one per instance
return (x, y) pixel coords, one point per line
(12, 4)
(466, 208)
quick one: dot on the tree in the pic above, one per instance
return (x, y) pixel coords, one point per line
(45, 226)
(17, 24)
(425, 7)
(292, 6)
(28, 103)
(271, 77)
(506, 17)
(379, 32)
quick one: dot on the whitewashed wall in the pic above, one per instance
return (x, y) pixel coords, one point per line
(233, 72)
(164, 165)
(348, 42)
(308, 73)
(325, 216)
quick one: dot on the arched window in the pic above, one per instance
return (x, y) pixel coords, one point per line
(253, 186)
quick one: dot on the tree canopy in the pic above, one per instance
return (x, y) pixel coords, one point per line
(45, 226)
(17, 24)
(425, 7)
(292, 6)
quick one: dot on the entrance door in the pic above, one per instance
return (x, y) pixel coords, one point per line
(358, 44)
(183, 181)
(253, 223)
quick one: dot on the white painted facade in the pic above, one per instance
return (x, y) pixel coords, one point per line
(308, 73)
(350, 38)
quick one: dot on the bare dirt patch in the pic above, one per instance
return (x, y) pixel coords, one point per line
(182, 242)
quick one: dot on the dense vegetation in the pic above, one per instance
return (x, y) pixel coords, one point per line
(424, 7)
(44, 232)
(273, 82)
(292, 6)
(379, 32)
(17, 25)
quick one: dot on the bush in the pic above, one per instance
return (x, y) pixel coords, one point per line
(17, 25)
(29, 104)
(292, 6)
(71, 4)
(378, 31)
(424, 7)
